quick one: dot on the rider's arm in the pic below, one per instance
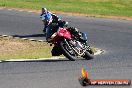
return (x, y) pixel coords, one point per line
(44, 22)
(55, 16)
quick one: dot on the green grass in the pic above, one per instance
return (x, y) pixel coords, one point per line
(16, 48)
(11, 48)
(99, 7)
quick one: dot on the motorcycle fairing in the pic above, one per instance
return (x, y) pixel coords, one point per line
(64, 33)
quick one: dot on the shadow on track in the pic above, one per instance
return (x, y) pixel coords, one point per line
(27, 36)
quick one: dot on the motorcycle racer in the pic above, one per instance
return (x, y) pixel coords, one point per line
(52, 21)
(48, 18)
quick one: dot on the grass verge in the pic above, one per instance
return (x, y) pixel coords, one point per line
(98, 7)
(16, 48)
(11, 48)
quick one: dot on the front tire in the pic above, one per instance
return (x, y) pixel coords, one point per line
(88, 56)
(66, 52)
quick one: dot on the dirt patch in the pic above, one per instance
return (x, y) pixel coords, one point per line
(10, 44)
(11, 48)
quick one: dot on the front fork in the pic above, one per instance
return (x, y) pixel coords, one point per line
(77, 51)
(67, 44)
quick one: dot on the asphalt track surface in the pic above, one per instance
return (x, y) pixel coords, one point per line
(113, 36)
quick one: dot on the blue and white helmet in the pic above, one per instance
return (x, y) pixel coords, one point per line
(44, 10)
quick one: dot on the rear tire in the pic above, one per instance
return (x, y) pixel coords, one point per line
(66, 52)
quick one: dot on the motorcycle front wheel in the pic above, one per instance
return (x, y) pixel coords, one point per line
(67, 51)
(88, 56)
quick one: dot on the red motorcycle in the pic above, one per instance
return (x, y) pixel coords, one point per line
(69, 45)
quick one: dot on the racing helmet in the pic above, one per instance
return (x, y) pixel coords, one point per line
(44, 10)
